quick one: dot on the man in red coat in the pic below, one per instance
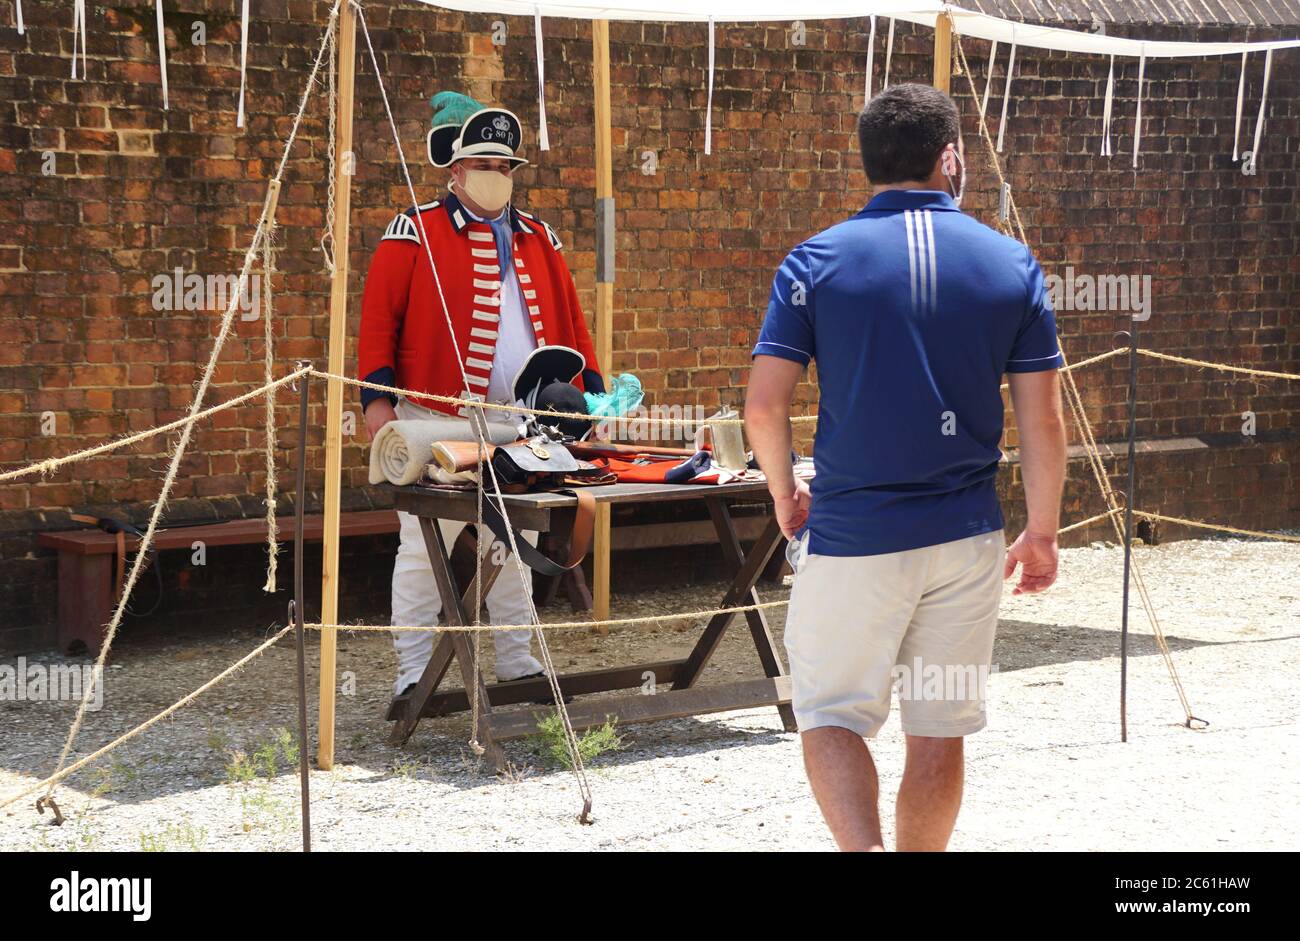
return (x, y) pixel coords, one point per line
(498, 289)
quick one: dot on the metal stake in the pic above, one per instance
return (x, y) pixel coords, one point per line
(1130, 498)
(296, 609)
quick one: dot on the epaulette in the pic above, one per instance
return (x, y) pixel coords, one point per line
(550, 233)
(402, 228)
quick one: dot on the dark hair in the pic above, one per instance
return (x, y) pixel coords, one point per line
(902, 131)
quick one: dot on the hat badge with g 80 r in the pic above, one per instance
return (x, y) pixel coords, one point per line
(462, 127)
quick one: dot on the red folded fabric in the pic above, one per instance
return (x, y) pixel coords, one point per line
(629, 472)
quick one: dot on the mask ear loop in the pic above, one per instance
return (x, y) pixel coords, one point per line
(952, 165)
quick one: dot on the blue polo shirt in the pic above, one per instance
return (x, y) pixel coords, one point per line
(913, 312)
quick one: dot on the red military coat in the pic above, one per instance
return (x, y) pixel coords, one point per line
(404, 329)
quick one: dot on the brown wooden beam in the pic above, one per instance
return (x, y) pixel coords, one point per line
(669, 704)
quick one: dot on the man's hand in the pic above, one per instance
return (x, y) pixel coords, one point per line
(1038, 558)
(792, 511)
(378, 414)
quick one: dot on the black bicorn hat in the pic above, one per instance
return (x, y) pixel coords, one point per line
(483, 132)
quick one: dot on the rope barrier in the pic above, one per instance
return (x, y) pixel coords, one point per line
(268, 366)
(261, 240)
(521, 410)
(52, 464)
(797, 419)
(178, 452)
(1083, 362)
(551, 625)
(76, 766)
(1224, 367)
(1200, 524)
(740, 609)
(1082, 523)
(556, 625)
(1080, 415)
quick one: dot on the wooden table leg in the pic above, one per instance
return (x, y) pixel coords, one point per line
(747, 569)
(453, 615)
(404, 727)
(452, 644)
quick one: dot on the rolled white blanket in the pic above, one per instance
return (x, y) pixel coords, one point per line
(404, 447)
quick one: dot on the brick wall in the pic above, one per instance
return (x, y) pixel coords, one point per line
(136, 192)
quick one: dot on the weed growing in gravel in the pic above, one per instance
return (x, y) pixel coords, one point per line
(264, 759)
(218, 741)
(88, 836)
(259, 808)
(405, 768)
(549, 742)
(111, 777)
(174, 837)
(252, 772)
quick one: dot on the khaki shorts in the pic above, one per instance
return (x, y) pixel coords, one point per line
(921, 621)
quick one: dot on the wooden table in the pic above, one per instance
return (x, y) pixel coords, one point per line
(666, 689)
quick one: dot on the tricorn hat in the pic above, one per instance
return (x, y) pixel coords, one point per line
(462, 127)
(545, 365)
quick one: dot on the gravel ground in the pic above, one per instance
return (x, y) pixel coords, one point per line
(1048, 773)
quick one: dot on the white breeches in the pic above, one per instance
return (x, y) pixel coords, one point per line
(415, 592)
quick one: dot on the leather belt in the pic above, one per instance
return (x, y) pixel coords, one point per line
(584, 525)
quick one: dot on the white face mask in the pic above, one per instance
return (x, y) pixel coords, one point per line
(953, 168)
(487, 188)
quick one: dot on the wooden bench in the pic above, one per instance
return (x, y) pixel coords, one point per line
(87, 558)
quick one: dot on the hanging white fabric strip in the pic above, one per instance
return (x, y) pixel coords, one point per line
(543, 139)
(988, 79)
(243, 64)
(1108, 111)
(21, 28)
(708, 112)
(871, 59)
(162, 50)
(1137, 121)
(1263, 100)
(83, 37)
(1006, 95)
(889, 53)
(1241, 100)
(79, 35)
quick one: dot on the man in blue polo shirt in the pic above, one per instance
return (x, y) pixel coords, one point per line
(913, 313)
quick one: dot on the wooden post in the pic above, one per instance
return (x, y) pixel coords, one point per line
(943, 52)
(604, 284)
(329, 607)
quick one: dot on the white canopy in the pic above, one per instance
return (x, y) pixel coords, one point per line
(720, 11)
(966, 22)
(982, 26)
